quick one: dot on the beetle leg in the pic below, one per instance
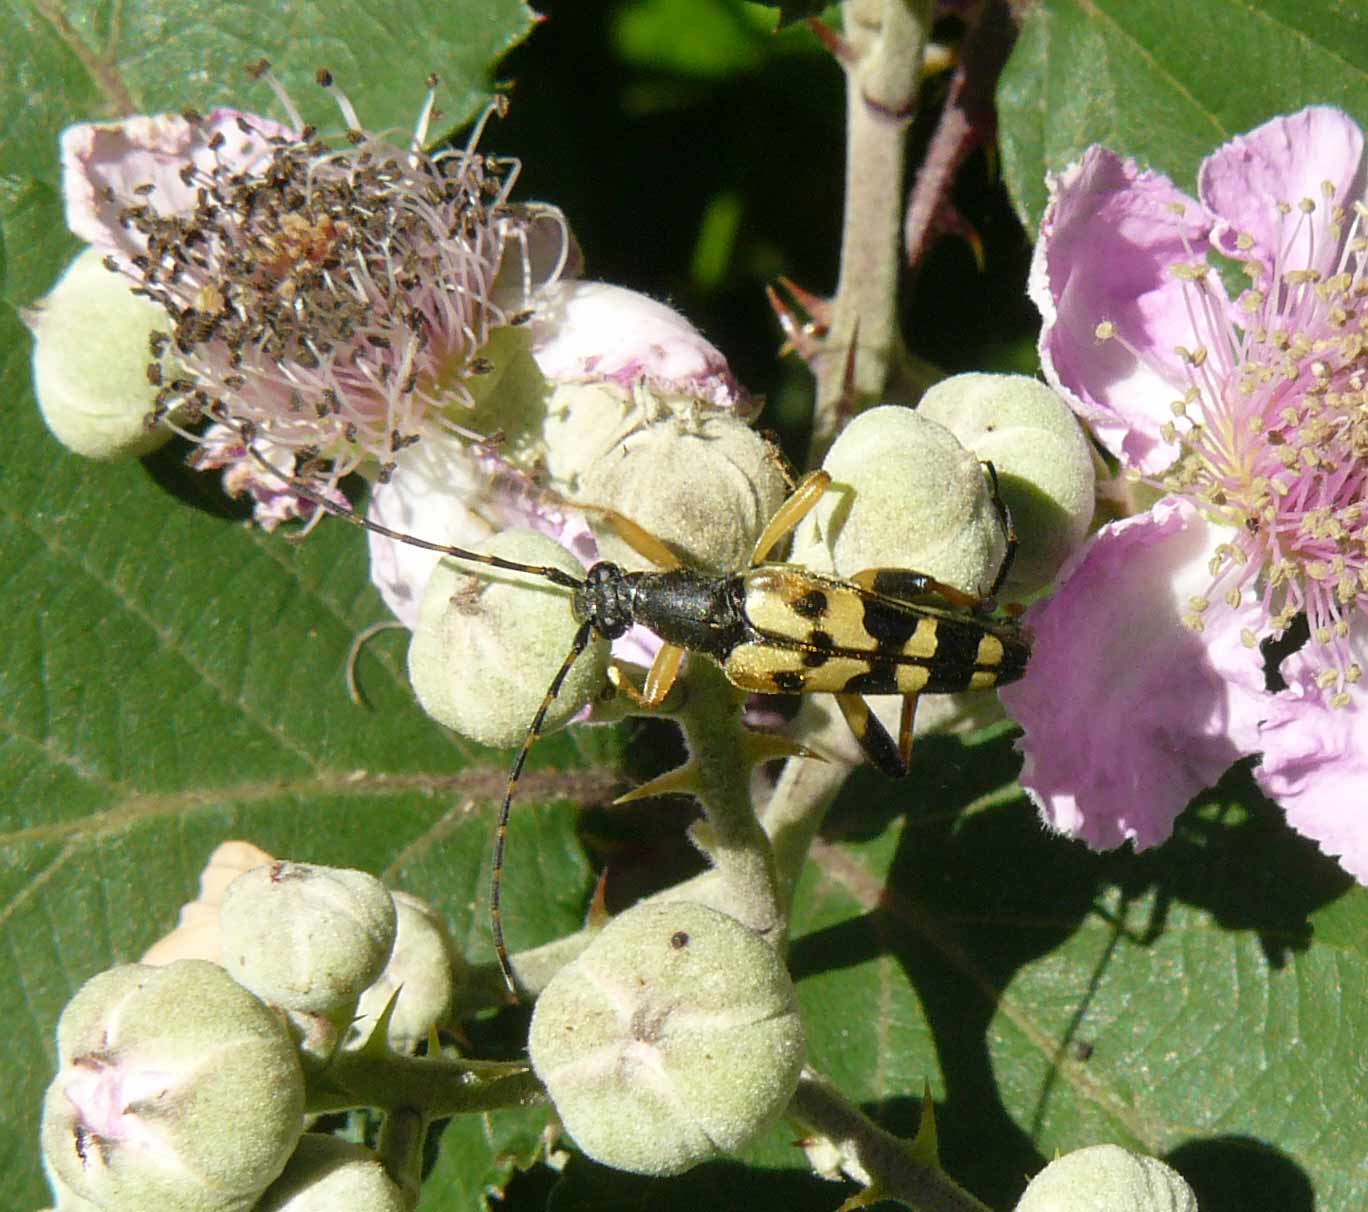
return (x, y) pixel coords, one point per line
(660, 678)
(909, 715)
(878, 746)
(799, 504)
(636, 536)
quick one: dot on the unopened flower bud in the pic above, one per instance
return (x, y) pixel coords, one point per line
(326, 1174)
(1043, 461)
(178, 1089)
(91, 356)
(583, 422)
(674, 1036)
(904, 494)
(423, 974)
(304, 937)
(197, 935)
(593, 332)
(705, 484)
(489, 641)
(1107, 1178)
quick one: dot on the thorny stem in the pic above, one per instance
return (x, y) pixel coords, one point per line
(968, 120)
(747, 886)
(433, 1086)
(879, 1161)
(794, 813)
(885, 40)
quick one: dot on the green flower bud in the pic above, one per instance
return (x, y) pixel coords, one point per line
(904, 494)
(178, 1090)
(583, 422)
(488, 643)
(704, 484)
(327, 1174)
(674, 1036)
(1107, 1178)
(90, 362)
(306, 938)
(424, 970)
(1044, 463)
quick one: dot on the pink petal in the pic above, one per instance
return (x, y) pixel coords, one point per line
(1315, 763)
(149, 149)
(1127, 712)
(1108, 240)
(588, 332)
(1285, 160)
(437, 493)
(445, 492)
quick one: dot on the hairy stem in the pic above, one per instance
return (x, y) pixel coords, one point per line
(400, 1149)
(432, 1086)
(884, 1164)
(883, 47)
(747, 886)
(794, 813)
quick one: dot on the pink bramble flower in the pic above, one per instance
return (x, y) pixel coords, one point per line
(330, 300)
(1248, 416)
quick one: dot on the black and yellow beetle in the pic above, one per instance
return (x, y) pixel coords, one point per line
(774, 628)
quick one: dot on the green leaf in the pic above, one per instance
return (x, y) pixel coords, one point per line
(103, 60)
(1168, 85)
(173, 678)
(1196, 1002)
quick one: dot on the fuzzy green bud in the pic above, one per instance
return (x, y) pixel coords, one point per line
(422, 976)
(488, 643)
(583, 422)
(674, 1036)
(90, 362)
(178, 1090)
(306, 938)
(703, 482)
(1107, 1178)
(326, 1174)
(1044, 464)
(904, 494)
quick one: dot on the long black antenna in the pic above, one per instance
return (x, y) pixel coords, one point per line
(578, 645)
(244, 430)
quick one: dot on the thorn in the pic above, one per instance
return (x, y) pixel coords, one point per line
(925, 1146)
(597, 915)
(682, 780)
(849, 403)
(949, 222)
(766, 746)
(843, 52)
(803, 317)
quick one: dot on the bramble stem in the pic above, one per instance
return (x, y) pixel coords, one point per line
(433, 1086)
(747, 885)
(400, 1149)
(794, 813)
(884, 1164)
(885, 41)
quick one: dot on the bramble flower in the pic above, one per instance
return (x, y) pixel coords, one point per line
(332, 301)
(1152, 669)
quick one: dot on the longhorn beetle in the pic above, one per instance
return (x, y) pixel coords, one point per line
(774, 628)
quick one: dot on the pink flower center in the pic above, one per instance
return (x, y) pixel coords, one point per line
(1273, 427)
(332, 300)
